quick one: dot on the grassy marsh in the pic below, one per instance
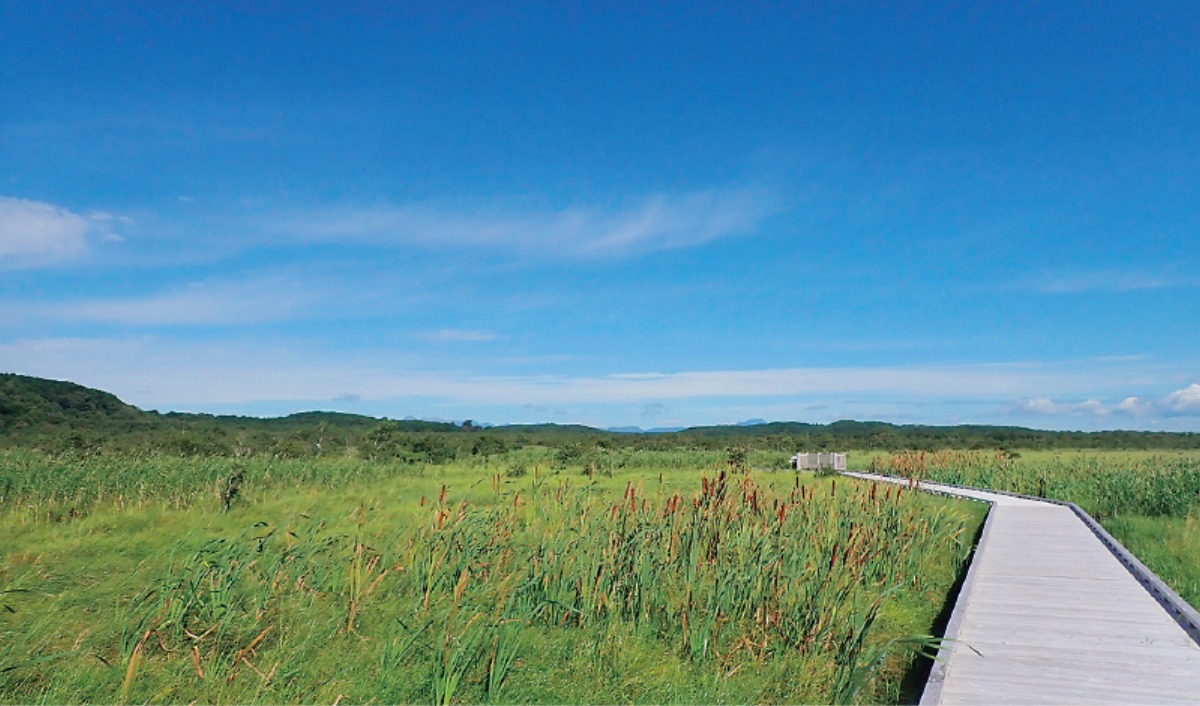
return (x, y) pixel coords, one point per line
(500, 581)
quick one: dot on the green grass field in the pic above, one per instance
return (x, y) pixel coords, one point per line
(122, 580)
(536, 575)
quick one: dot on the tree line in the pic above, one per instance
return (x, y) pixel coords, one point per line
(62, 417)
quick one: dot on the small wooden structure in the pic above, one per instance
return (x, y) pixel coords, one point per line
(818, 461)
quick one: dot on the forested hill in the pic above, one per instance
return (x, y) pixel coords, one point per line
(55, 416)
(29, 403)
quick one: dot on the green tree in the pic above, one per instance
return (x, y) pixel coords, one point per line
(488, 445)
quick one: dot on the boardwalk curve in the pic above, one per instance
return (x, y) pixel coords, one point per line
(1047, 614)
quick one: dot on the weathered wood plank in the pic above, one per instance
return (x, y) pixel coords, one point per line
(1049, 615)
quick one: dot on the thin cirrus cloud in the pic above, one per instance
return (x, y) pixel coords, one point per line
(1046, 406)
(38, 234)
(455, 335)
(259, 300)
(1108, 281)
(233, 373)
(663, 222)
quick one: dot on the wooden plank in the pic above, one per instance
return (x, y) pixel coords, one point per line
(1049, 615)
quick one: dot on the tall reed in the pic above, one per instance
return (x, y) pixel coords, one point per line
(736, 575)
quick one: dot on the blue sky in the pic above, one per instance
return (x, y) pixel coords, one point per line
(606, 213)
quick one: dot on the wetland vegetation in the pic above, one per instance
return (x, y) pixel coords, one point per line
(326, 557)
(463, 582)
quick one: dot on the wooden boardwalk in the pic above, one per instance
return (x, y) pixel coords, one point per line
(1048, 615)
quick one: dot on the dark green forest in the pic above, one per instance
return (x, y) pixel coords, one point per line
(63, 417)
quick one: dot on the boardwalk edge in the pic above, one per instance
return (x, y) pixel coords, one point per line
(1183, 613)
(932, 693)
(1186, 616)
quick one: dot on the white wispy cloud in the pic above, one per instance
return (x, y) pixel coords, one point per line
(662, 222)
(454, 335)
(34, 233)
(1109, 281)
(39, 234)
(241, 372)
(1048, 407)
(1180, 403)
(216, 302)
(1135, 406)
(1184, 402)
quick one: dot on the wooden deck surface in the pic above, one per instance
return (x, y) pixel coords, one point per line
(1047, 615)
